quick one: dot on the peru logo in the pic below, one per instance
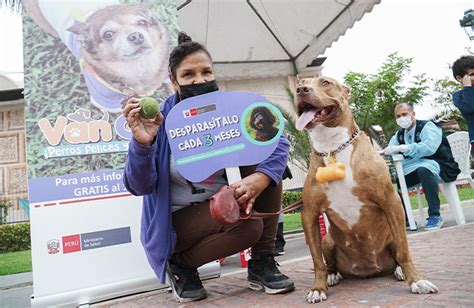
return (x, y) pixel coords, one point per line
(190, 112)
(71, 243)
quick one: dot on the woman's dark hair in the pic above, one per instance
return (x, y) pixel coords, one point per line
(461, 65)
(186, 46)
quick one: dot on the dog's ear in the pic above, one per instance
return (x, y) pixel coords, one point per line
(78, 28)
(83, 34)
(345, 91)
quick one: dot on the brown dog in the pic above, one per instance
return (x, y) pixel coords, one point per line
(366, 237)
(123, 48)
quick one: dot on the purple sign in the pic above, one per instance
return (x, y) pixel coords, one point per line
(222, 129)
(76, 186)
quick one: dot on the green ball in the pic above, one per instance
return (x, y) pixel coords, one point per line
(150, 107)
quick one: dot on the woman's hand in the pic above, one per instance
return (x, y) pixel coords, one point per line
(143, 130)
(249, 188)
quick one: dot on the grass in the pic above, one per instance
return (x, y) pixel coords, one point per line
(465, 193)
(293, 221)
(15, 262)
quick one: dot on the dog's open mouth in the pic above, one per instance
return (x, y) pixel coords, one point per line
(311, 117)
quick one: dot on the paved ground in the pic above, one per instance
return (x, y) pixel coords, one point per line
(15, 290)
(445, 257)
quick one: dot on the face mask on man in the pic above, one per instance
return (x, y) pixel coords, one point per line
(404, 122)
(190, 90)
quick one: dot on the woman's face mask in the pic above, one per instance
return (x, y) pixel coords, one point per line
(190, 90)
(404, 122)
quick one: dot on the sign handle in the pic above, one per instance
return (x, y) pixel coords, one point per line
(233, 174)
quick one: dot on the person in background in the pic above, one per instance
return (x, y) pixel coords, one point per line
(463, 72)
(428, 158)
(280, 240)
(177, 230)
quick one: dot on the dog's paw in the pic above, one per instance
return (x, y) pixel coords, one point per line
(399, 274)
(333, 279)
(316, 296)
(423, 287)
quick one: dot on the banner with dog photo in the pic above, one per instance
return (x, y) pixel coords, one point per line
(82, 60)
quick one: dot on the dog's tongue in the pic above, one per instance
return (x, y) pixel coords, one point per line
(304, 119)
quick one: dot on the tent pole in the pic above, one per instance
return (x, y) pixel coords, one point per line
(183, 5)
(271, 32)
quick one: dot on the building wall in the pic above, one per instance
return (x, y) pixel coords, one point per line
(13, 175)
(272, 88)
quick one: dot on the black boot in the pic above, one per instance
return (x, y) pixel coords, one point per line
(185, 283)
(263, 274)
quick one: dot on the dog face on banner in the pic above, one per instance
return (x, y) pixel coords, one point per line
(109, 37)
(125, 46)
(123, 49)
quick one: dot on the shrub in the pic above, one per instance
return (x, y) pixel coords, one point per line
(4, 212)
(14, 237)
(291, 196)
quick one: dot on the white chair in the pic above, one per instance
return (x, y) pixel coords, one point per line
(461, 148)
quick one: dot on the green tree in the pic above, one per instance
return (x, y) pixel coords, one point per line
(374, 96)
(300, 151)
(444, 88)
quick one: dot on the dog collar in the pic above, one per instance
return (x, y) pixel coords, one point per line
(341, 147)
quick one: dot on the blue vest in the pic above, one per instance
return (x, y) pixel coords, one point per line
(443, 155)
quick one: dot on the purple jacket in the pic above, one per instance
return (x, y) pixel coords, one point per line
(147, 174)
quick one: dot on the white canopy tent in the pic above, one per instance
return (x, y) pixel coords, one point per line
(267, 38)
(264, 38)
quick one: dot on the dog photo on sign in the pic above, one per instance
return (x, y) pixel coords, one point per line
(122, 49)
(263, 124)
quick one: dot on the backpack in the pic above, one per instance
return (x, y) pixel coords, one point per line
(449, 168)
